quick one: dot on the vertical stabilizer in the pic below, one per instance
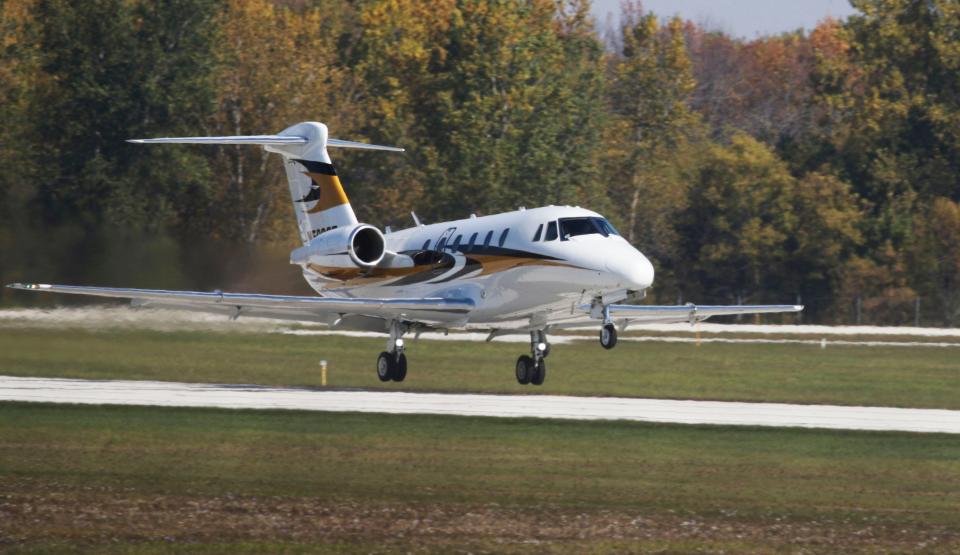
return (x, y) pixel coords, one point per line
(319, 200)
(318, 197)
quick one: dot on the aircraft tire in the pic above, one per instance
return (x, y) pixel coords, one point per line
(539, 373)
(400, 368)
(386, 367)
(524, 369)
(608, 336)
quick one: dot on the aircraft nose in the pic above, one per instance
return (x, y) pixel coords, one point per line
(635, 271)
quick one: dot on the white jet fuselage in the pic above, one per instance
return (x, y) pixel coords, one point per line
(512, 271)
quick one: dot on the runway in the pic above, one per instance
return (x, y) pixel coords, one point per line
(173, 394)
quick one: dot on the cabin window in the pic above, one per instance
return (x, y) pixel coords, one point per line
(503, 236)
(536, 236)
(473, 240)
(551, 231)
(456, 243)
(486, 241)
(426, 245)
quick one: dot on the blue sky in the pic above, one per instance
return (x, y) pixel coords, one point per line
(742, 18)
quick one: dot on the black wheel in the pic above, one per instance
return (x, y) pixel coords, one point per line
(608, 336)
(400, 368)
(385, 366)
(539, 373)
(524, 369)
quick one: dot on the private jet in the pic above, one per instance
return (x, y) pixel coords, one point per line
(529, 271)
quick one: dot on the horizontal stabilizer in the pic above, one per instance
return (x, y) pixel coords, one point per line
(233, 140)
(364, 146)
(266, 140)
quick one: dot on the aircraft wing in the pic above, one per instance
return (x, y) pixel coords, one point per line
(685, 313)
(302, 308)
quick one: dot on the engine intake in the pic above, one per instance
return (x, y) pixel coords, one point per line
(366, 246)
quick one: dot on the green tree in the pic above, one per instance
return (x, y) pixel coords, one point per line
(653, 139)
(113, 70)
(276, 66)
(19, 77)
(935, 259)
(499, 102)
(891, 95)
(753, 232)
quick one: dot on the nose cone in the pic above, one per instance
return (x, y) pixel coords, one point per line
(634, 271)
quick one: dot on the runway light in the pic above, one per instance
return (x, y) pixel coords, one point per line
(398, 342)
(541, 346)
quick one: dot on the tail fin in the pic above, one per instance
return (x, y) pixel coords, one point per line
(318, 197)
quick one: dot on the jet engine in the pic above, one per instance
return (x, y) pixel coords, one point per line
(357, 246)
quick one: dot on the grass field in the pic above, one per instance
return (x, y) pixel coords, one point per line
(152, 480)
(889, 376)
(148, 480)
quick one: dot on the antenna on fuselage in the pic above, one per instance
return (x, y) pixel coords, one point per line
(416, 220)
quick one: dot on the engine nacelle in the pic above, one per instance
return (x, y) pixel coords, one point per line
(358, 246)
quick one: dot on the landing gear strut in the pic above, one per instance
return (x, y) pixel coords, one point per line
(533, 369)
(392, 363)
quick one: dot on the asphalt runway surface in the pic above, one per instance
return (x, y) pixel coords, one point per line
(238, 396)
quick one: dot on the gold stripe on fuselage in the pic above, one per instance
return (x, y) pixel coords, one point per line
(360, 276)
(496, 263)
(489, 264)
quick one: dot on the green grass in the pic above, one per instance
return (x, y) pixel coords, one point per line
(893, 376)
(132, 474)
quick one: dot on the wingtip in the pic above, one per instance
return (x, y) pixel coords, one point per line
(798, 307)
(135, 141)
(28, 286)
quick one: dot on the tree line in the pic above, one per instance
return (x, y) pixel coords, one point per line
(819, 166)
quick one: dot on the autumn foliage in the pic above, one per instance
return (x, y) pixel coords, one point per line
(822, 166)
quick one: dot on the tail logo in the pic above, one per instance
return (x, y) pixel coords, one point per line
(325, 188)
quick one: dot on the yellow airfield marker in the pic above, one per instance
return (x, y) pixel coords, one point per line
(323, 373)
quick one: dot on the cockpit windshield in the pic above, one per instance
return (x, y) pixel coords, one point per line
(571, 227)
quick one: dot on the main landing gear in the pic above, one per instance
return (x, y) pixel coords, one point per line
(392, 363)
(533, 369)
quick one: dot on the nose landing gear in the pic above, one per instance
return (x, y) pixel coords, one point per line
(608, 332)
(392, 363)
(608, 336)
(533, 369)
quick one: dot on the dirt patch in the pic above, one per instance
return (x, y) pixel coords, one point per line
(100, 517)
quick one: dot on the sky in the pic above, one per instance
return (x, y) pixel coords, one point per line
(743, 18)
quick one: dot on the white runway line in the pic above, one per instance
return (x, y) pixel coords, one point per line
(172, 394)
(99, 317)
